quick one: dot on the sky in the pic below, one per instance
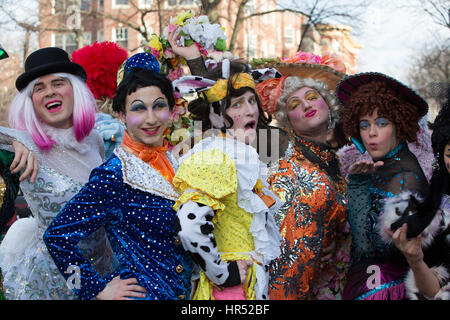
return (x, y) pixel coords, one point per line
(393, 35)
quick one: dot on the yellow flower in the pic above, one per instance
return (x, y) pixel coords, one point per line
(258, 186)
(183, 16)
(155, 43)
(179, 135)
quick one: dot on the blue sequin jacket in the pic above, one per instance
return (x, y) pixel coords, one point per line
(133, 202)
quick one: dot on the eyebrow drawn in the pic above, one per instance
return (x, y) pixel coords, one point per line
(137, 100)
(159, 98)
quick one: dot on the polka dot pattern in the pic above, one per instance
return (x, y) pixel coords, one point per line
(140, 228)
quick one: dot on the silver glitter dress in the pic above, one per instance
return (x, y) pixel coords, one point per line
(28, 270)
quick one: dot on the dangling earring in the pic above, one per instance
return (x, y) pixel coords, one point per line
(291, 134)
(330, 121)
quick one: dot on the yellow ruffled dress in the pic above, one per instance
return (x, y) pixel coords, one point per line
(228, 176)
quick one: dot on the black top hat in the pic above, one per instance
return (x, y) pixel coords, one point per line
(46, 61)
(348, 85)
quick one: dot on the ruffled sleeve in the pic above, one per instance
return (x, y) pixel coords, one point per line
(211, 173)
(204, 179)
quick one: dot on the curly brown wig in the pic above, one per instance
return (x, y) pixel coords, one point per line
(378, 95)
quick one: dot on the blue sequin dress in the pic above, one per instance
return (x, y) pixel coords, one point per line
(377, 269)
(133, 202)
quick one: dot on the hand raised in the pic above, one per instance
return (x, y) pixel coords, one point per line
(189, 53)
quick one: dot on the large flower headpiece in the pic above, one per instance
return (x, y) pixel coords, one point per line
(209, 38)
(326, 69)
(101, 61)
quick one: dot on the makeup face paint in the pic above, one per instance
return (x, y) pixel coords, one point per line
(147, 116)
(244, 112)
(307, 112)
(53, 101)
(377, 134)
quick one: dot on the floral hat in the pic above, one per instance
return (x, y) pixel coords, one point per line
(209, 38)
(326, 69)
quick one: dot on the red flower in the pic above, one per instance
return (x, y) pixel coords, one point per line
(101, 61)
(333, 62)
(268, 92)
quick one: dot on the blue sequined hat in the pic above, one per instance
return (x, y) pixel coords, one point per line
(143, 60)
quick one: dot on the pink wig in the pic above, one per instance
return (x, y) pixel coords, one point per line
(23, 117)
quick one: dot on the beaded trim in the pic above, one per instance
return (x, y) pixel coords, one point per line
(142, 176)
(380, 288)
(321, 152)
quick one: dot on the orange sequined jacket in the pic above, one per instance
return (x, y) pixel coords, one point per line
(313, 215)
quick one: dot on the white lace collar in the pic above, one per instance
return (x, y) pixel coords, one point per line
(142, 176)
(66, 139)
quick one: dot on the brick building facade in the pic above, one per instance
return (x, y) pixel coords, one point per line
(271, 35)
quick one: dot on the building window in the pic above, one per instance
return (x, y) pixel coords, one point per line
(272, 51)
(119, 3)
(289, 37)
(100, 36)
(87, 38)
(120, 37)
(264, 51)
(252, 46)
(66, 41)
(250, 7)
(85, 5)
(59, 6)
(173, 3)
(145, 3)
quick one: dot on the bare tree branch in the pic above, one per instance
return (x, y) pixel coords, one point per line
(440, 11)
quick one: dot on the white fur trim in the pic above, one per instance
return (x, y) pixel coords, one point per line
(392, 211)
(432, 230)
(443, 276)
(443, 293)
